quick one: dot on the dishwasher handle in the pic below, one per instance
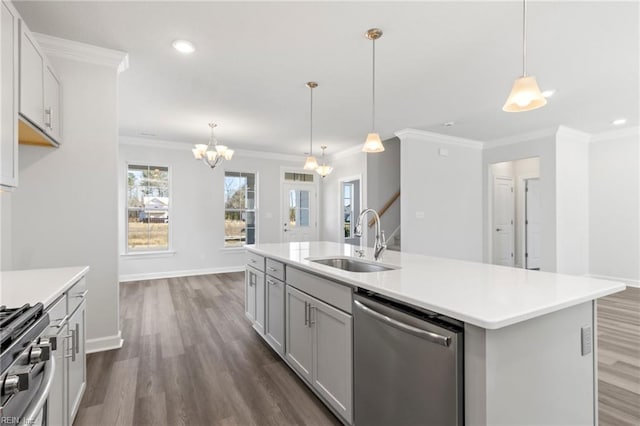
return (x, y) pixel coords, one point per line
(426, 335)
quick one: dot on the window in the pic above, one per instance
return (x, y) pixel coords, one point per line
(147, 208)
(239, 209)
(298, 177)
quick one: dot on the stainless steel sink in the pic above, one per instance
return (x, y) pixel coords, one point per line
(352, 265)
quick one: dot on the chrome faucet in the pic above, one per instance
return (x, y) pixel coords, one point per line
(381, 242)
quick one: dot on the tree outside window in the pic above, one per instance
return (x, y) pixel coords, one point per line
(240, 209)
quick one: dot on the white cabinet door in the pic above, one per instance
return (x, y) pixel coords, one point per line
(299, 340)
(31, 78)
(332, 356)
(250, 294)
(51, 104)
(57, 401)
(258, 323)
(274, 320)
(77, 361)
(9, 36)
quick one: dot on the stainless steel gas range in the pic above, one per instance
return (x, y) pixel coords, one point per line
(27, 365)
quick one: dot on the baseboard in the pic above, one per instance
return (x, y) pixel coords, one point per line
(174, 274)
(104, 343)
(627, 281)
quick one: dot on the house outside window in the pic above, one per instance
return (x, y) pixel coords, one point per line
(240, 209)
(147, 208)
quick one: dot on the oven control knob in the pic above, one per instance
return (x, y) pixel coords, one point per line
(52, 341)
(39, 353)
(15, 382)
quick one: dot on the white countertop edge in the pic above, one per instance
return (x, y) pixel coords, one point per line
(493, 324)
(28, 277)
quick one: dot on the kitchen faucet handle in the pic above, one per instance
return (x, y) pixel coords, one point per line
(383, 238)
(359, 252)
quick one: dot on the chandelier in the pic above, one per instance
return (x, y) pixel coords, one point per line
(212, 154)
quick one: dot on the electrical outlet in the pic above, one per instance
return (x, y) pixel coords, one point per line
(419, 215)
(443, 152)
(586, 340)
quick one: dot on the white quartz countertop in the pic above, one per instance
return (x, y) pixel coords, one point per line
(37, 285)
(487, 296)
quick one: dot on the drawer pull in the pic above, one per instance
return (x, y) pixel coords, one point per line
(81, 295)
(252, 260)
(271, 269)
(61, 322)
(271, 282)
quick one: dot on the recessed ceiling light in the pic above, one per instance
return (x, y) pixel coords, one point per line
(549, 93)
(619, 121)
(183, 46)
(448, 123)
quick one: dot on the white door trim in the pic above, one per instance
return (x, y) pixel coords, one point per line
(340, 182)
(521, 207)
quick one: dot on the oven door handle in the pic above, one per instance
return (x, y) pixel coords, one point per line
(32, 412)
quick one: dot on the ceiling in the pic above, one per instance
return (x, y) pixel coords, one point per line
(437, 62)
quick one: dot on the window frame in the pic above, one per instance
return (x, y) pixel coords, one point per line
(147, 251)
(255, 209)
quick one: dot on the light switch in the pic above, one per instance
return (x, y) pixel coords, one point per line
(443, 152)
(419, 215)
(268, 215)
(586, 340)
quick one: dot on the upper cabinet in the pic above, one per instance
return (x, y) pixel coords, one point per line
(9, 34)
(39, 94)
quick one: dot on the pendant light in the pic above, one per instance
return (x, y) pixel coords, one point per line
(311, 163)
(525, 94)
(324, 169)
(373, 142)
(212, 154)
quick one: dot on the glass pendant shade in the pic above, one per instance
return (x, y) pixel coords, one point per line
(324, 170)
(311, 163)
(212, 154)
(228, 154)
(373, 143)
(525, 96)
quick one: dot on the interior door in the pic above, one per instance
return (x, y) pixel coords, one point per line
(299, 213)
(502, 229)
(532, 224)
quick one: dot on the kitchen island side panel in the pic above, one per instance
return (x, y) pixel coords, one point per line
(532, 372)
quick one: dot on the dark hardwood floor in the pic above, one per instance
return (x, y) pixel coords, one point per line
(191, 358)
(619, 358)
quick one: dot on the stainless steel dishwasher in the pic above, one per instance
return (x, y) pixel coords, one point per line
(408, 365)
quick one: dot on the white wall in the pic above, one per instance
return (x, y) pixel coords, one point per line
(441, 196)
(383, 177)
(614, 206)
(541, 145)
(523, 169)
(64, 211)
(572, 202)
(197, 208)
(346, 165)
(5, 231)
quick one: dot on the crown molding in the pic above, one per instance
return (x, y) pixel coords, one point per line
(439, 138)
(82, 52)
(356, 149)
(522, 137)
(616, 134)
(573, 134)
(183, 146)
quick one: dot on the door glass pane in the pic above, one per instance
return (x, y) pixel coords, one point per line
(304, 199)
(293, 208)
(304, 217)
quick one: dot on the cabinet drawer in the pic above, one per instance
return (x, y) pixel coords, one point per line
(338, 295)
(57, 314)
(76, 295)
(275, 269)
(255, 261)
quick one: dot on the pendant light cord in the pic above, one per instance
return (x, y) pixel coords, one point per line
(311, 124)
(524, 38)
(373, 90)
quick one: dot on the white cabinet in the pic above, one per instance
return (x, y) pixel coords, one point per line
(274, 316)
(39, 90)
(9, 36)
(77, 366)
(319, 348)
(299, 347)
(254, 298)
(332, 356)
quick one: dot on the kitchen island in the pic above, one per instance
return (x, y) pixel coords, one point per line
(529, 336)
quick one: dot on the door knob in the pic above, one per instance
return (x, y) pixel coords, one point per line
(498, 229)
